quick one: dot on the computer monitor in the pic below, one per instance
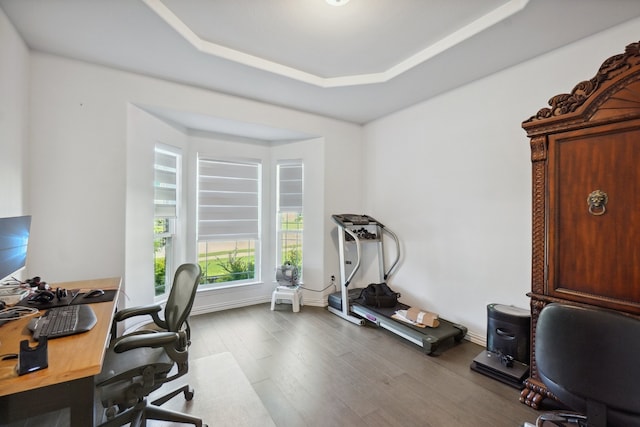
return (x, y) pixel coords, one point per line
(14, 240)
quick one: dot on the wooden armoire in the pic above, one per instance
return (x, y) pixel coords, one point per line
(585, 154)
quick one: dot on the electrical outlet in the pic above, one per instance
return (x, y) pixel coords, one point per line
(333, 278)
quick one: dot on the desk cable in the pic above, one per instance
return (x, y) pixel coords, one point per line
(16, 312)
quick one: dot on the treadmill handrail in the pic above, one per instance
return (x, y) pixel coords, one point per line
(357, 266)
(395, 263)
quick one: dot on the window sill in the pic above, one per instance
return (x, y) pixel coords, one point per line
(230, 286)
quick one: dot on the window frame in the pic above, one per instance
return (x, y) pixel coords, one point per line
(170, 234)
(254, 236)
(294, 201)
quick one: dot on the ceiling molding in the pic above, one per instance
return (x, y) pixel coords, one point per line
(484, 22)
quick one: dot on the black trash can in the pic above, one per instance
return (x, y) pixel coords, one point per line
(508, 330)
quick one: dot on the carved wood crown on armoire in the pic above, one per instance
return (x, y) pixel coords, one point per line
(585, 154)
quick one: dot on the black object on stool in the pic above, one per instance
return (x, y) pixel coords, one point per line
(506, 358)
(508, 331)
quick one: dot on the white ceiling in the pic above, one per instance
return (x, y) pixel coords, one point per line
(355, 62)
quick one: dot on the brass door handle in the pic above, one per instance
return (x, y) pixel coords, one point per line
(597, 201)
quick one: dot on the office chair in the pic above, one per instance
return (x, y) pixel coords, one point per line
(589, 359)
(139, 363)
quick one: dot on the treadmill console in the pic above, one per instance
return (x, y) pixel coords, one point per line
(367, 230)
(354, 219)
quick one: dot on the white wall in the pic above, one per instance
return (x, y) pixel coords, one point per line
(452, 177)
(85, 175)
(14, 89)
(77, 167)
(14, 72)
(144, 132)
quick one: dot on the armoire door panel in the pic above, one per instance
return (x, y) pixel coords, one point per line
(595, 249)
(585, 158)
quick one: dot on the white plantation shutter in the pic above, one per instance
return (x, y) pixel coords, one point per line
(165, 183)
(228, 200)
(290, 187)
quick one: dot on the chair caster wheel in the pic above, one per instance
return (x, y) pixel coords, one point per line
(110, 412)
(188, 394)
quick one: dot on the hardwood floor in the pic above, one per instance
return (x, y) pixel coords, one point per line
(312, 368)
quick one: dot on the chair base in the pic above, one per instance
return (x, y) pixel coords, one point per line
(562, 419)
(286, 293)
(143, 411)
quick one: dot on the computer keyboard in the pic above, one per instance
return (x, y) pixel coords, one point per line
(63, 321)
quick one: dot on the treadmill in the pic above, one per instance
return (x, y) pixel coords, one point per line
(356, 233)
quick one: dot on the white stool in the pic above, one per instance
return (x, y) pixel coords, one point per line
(286, 293)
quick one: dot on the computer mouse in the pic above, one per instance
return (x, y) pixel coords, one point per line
(94, 293)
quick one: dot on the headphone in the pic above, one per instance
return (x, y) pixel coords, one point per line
(37, 282)
(45, 297)
(42, 297)
(44, 293)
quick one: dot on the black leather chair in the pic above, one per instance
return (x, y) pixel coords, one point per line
(589, 359)
(139, 363)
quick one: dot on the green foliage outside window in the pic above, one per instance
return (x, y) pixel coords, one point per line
(226, 262)
(160, 266)
(291, 231)
(237, 267)
(294, 257)
(160, 226)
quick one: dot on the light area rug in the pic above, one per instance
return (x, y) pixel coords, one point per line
(223, 395)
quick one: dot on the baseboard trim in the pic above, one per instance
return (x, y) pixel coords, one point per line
(210, 308)
(476, 338)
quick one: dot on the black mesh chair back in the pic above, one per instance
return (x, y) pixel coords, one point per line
(181, 297)
(590, 360)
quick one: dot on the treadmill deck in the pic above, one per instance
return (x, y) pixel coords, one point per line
(427, 338)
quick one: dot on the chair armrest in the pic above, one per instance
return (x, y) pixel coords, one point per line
(126, 313)
(158, 339)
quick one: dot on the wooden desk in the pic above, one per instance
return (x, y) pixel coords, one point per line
(73, 362)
